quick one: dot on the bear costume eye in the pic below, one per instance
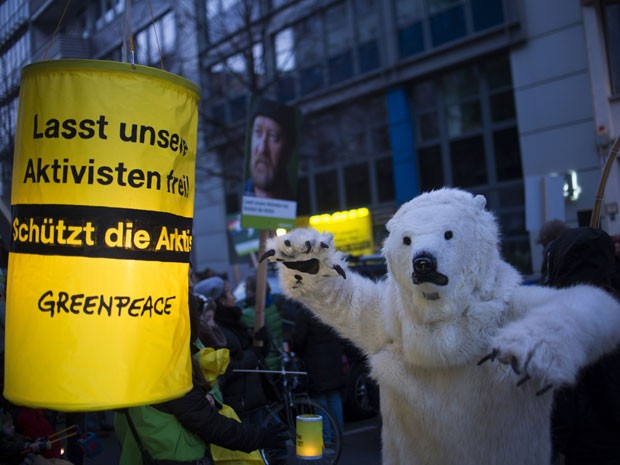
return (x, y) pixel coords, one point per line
(407, 240)
(448, 235)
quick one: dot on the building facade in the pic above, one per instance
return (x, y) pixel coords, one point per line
(513, 99)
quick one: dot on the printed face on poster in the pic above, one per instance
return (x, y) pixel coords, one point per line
(272, 155)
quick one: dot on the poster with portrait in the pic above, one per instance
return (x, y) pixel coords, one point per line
(272, 155)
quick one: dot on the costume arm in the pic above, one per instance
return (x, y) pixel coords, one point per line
(556, 332)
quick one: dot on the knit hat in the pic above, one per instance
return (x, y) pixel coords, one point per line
(551, 230)
(282, 114)
(210, 287)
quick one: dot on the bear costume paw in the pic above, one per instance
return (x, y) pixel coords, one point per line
(306, 251)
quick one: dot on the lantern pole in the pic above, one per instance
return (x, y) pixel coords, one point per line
(600, 194)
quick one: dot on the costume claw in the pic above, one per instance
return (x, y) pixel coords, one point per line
(543, 390)
(514, 363)
(269, 253)
(527, 377)
(340, 271)
(494, 353)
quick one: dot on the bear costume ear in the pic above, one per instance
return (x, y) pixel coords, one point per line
(480, 201)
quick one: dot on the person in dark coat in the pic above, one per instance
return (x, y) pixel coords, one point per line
(322, 352)
(243, 391)
(586, 416)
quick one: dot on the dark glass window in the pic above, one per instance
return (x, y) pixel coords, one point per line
(428, 126)
(311, 79)
(431, 168)
(367, 32)
(517, 253)
(503, 106)
(448, 25)
(340, 67)
(286, 88)
(468, 162)
(510, 197)
(498, 73)
(327, 192)
(507, 154)
(369, 57)
(385, 179)
(357, 185)
(410, 40)
(303, 196)
(487, 13)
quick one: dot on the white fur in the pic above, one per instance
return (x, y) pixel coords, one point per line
(438, 405)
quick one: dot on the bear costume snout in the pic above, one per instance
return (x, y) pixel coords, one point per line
(425, 270)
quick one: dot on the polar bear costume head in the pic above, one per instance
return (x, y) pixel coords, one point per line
(443, 251)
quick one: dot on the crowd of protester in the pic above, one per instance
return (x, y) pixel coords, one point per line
(220, 418)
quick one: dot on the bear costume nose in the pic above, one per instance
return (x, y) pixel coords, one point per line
(424, 264)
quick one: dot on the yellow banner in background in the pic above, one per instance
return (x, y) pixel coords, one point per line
(102, 205)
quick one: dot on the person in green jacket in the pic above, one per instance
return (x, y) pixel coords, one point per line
(179, 431)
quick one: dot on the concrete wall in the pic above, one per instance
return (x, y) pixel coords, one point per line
(554, 101)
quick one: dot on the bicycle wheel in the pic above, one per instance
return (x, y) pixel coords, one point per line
(332, 434)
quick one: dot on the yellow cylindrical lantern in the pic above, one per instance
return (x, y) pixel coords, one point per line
(309, 436)
(102, 207)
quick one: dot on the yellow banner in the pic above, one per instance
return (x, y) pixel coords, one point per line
(102, 204)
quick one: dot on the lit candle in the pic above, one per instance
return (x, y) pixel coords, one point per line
(309, 436)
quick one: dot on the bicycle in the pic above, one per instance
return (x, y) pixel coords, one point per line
(293, 400)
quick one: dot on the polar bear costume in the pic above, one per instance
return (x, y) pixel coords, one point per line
(436, 328)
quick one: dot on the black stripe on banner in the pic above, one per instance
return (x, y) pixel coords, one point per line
(102, 232)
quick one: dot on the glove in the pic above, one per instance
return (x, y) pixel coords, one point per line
(273, 437)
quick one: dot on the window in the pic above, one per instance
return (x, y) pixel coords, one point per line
(611, 18)
(309, 54)
(486, 13)
(467, 158)
(357, 182)
(108, 10)
(409, 16)
(499, 82)
(447, 25)
(228, 85)
(431, 168)
(367, 30)
(327, 194)
(13, 13)
(285, 64)
(303, 196)
(462, 102)
(12, 61)
(425, 106)
(339, 39)
(507, 154)
(385, 179)
(156, 41)
(424, 24)
(227, 16)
